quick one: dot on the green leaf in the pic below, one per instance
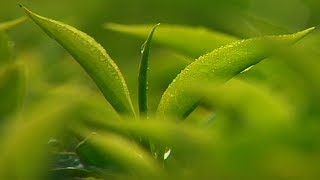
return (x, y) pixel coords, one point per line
(218, 67)
(243, 105)
(93, 58)
(4, 26)
(24, 148)
(186, 40)
(165, 133)
(103, 150)
(143, 74)
(12, 90)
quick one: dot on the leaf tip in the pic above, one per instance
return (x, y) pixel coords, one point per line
(306, 31)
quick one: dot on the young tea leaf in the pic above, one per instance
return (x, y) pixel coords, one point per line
(93, 58)
(143, 74)
(187, 40)
(218, 67)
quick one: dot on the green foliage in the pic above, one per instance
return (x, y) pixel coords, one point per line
(227, 115)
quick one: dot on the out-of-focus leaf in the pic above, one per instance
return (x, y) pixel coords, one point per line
(5, 49)
(93, 58)
(111, 151)
(143, 74)
(187, 40)
(71, 172)
(4, 26)
(217, 67)
(12, 89)
(166, 133)
(247, 106)
(24, 150)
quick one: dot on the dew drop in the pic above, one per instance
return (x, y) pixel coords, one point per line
(143, 47)
(167, 154)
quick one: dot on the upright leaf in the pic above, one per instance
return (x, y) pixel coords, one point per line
(187, 40)
(143, 74)
(93, 58)
(218, 67)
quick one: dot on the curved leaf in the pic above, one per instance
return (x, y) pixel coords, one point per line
(219, 66)
(187, 40)
(93, 58)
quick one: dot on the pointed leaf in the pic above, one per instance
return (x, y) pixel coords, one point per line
(187, 40)
(93, 58)
(219, 66)
(143, 74)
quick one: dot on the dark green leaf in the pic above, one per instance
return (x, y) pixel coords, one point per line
(143, 74)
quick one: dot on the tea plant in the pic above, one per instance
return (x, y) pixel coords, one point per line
(89, 139)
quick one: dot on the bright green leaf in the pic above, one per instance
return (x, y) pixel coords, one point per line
(187, 40)
(218, 67)
(93, 58)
